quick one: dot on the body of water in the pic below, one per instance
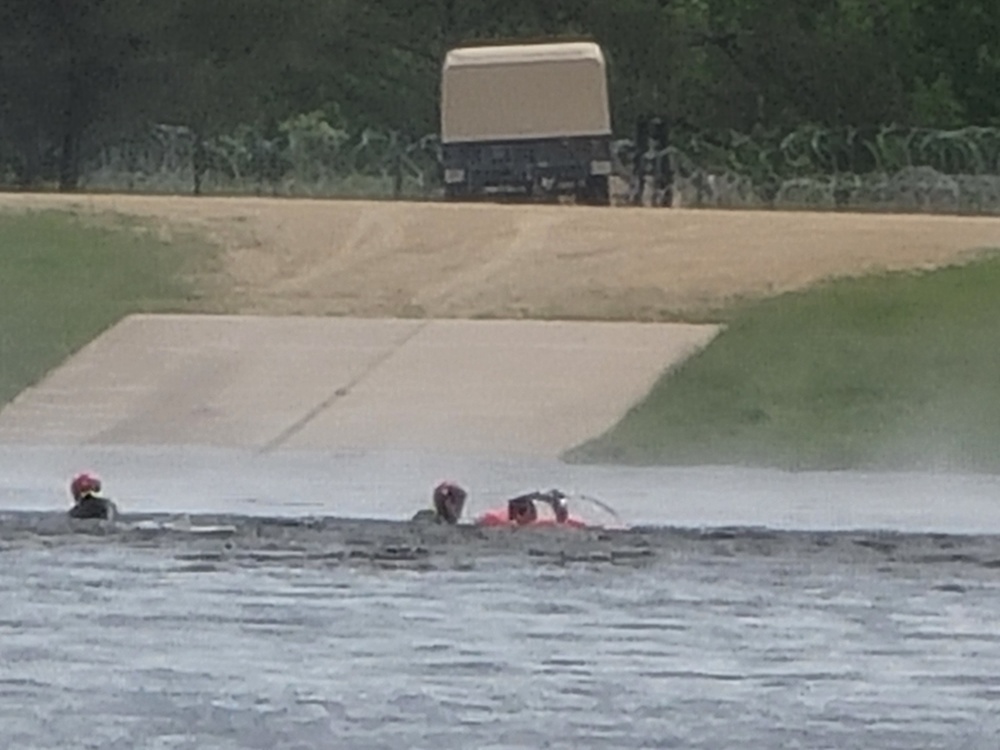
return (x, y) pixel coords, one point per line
(354, 634)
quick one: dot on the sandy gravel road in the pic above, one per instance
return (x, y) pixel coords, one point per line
(384, 259)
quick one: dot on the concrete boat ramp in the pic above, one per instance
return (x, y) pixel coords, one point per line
(360, 417)
(264, 384)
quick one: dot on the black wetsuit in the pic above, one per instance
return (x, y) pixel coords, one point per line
(428, 515)
(93, 506)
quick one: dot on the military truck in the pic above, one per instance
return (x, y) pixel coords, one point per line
(526, 121)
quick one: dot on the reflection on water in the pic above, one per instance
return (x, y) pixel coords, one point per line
(284, 637)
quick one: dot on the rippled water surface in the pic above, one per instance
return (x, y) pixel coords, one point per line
(380, 636)
(392, 486)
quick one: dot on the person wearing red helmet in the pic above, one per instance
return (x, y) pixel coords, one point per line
(449, 501)
(87, 502)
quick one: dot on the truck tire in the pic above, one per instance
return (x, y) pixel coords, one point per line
(596, 192)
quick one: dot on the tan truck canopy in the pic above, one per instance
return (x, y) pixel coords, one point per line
(524, 91)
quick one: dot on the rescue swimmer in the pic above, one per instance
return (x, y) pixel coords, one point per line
(88, 503)
(447, 504)
(449, 498)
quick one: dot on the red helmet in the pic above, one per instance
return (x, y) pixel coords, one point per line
(84, 484)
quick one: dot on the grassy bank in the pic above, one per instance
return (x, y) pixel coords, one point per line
(896, 371)
(63, 281)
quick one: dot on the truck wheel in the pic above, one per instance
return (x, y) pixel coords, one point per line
(596, 192)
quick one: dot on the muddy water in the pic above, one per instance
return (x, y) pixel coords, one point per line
(767, 610)
(327, 633)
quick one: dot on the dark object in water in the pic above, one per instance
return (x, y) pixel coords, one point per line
(92, 506)
(449, 500)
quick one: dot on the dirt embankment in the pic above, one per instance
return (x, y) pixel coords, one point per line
(375, 259)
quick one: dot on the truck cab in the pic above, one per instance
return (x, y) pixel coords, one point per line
(526, 121)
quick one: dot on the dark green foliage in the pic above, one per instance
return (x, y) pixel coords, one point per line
(893, 371)
(79, 75)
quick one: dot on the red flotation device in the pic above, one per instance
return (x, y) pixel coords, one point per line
(500, 517)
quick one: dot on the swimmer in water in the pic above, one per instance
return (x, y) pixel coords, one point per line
(448, 503)
(87, 502)
(522, 510)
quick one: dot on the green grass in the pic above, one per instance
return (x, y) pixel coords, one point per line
(63, 281)
(896, 371)
(890, 372)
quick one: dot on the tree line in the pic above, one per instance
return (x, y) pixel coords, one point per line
(77, 76)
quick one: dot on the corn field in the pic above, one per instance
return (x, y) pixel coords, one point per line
(879, 169)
